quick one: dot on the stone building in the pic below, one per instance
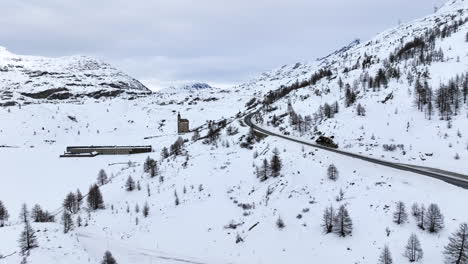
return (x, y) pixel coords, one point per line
(182, 125)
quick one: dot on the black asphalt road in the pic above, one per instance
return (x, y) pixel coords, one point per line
(447, 176)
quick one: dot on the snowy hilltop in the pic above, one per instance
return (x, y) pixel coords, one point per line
(29, 78)
(247, 184)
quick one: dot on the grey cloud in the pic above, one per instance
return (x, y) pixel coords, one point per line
(209, 40)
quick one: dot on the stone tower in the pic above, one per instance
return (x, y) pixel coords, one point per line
(182, 125)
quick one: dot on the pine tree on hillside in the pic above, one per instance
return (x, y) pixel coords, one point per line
(24, 214)
(146, 210)
(434, 220)
(79, 199)
(28, 239)
(328, 219)
(413, 250)
(95, 200)
(130, 184)
(415, 210)
(332, 172)
(421, 217)
(400, 216)
(3, 214)
(263, 171)
(164, 153)
(385, 256)
(108, 258)
(37, 214)
(457, 250)
(70, 203)
(67, 222)
(102, 177)
(275, 163)
(343, 226)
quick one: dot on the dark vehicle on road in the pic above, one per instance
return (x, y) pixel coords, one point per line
(327, 142)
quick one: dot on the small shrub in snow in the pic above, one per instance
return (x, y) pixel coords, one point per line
(413, 250)
(457, 156)
(239, 239)
(360, 110)
(280, 223)
(108, 258)
(340, 196)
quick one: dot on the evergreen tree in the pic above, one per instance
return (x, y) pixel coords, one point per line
(434, 220)
(70, 203)
(422, 216)
(413, 250)
(385, 256)
(176, 198)
(328, 219)
(79, 199)
(28, 239)
(37, 214)
(108, 258)
(275, 163)
(343, 226)
(102, 177)
(456, 251)
(130, 184)
(263, 171)
(95, 200)
(24, 214)
(400, 216)
(67, 222)
(332, 172)
(3, 214)
(146, 210)
(164, 153)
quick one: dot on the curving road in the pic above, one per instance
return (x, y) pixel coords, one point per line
(447, 176)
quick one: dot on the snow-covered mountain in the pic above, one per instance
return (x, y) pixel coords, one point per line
(29, 78)
(210, 202)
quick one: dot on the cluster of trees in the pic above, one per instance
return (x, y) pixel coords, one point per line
(41, 216)
(456, 251)
(413, 251)
(176, 148)
(430, 219)
(214, 131)
(279, 93)
(270, 169)
(297, 121)
(72, 202)
(447, 99)
(150, 166)
(338, 222)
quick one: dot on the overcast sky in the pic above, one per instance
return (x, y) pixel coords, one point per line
(217, 41)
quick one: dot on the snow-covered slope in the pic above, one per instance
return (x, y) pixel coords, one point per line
(382, 73)
(208, 205)
(28, 78)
